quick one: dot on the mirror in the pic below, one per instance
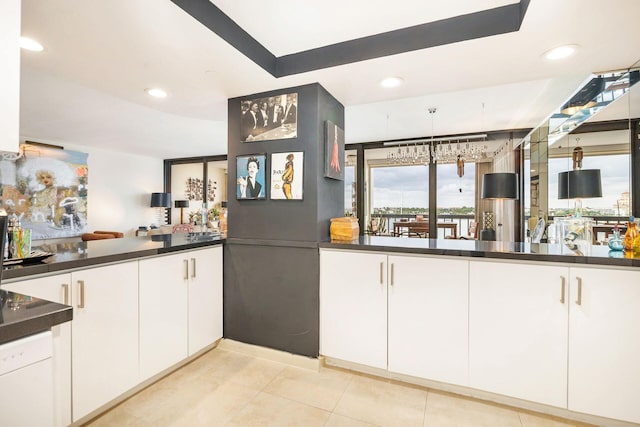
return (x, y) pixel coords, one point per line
(595, 123)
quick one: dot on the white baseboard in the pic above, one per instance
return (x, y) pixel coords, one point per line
(270, 354)
(479, 395)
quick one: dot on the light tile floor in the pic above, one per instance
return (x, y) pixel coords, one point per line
(224, 388)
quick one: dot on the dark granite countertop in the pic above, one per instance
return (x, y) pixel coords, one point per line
(68, 256)
(22, 315)
(594, 254)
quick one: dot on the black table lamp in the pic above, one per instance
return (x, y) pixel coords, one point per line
(160, 201)
(579, 184)
(498, 186)
(181, 204)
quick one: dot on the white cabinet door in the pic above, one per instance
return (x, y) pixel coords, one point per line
(353, 307)
(55, 289)
(428, 318)
(164, 282)
(604, 343)
(105, 335)
(518, 320)
(205, 298)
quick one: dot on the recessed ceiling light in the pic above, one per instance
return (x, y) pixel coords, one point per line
(561, 52)
(156, 93)
(391, 82)
(30, 44)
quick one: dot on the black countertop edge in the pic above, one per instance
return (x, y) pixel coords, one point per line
(191, 245)
(80, 263)
(279, 243)
(88, 254)
(492, 250)
(26, 321)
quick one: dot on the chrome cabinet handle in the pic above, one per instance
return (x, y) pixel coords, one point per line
(579, 300)
(65, 291)
(186, 269)
(193, 268)
(381, 268)
(81, 283)
(391, 274)
(563, 279)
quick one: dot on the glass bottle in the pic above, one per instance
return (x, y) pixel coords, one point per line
(630, 235)
(615, 242)
(13, 224)
(636, 245)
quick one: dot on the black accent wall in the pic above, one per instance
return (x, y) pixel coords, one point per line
(271, 269)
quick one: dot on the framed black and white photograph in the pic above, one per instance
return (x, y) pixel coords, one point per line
(334, 152)
(250, 177)
(287, 175)
(272, 117)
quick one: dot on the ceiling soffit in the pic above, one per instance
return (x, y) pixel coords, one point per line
(500, 20)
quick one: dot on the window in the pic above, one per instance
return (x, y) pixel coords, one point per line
(456, 196)
(350, 201)
(400, 190)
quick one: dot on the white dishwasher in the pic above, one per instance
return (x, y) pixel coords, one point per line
(26, 382)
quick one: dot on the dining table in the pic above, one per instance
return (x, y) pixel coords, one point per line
(421, 228)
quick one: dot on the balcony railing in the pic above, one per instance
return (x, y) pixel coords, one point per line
(462, 221)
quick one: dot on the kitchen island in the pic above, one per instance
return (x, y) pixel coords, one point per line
(142, 307)
(530, 325)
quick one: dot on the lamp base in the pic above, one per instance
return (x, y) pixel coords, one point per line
(488, 234)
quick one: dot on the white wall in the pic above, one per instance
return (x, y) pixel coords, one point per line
(119, 188)
(9, 74)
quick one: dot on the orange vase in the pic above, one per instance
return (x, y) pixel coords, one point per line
(630, 235)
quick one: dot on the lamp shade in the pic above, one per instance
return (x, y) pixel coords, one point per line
(181, 203)
(579, 184)
(502, 185)
(160, 200)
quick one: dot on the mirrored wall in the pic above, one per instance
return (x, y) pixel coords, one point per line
(591, 131)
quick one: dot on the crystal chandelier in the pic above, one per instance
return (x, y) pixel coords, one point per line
(456, 149)
(410, 154)
(442, 151)
(451, 151)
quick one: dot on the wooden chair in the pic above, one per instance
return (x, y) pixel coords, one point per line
(421, 230)
(472, 232)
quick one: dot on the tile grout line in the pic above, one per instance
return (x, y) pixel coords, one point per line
(426, 404)
(333, 411)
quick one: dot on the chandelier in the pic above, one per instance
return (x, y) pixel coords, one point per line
(442, 151)
(455, 149)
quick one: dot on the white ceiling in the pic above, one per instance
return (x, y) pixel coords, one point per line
(87, 87)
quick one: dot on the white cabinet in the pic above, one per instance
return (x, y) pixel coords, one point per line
(407, 314)
(163, 312)
(353, 307)
(180, 307)
(9, 74)
(55, 289)
(604, 343)
(518, 330)
(105, 335)
(428, 317)
(205, 298)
